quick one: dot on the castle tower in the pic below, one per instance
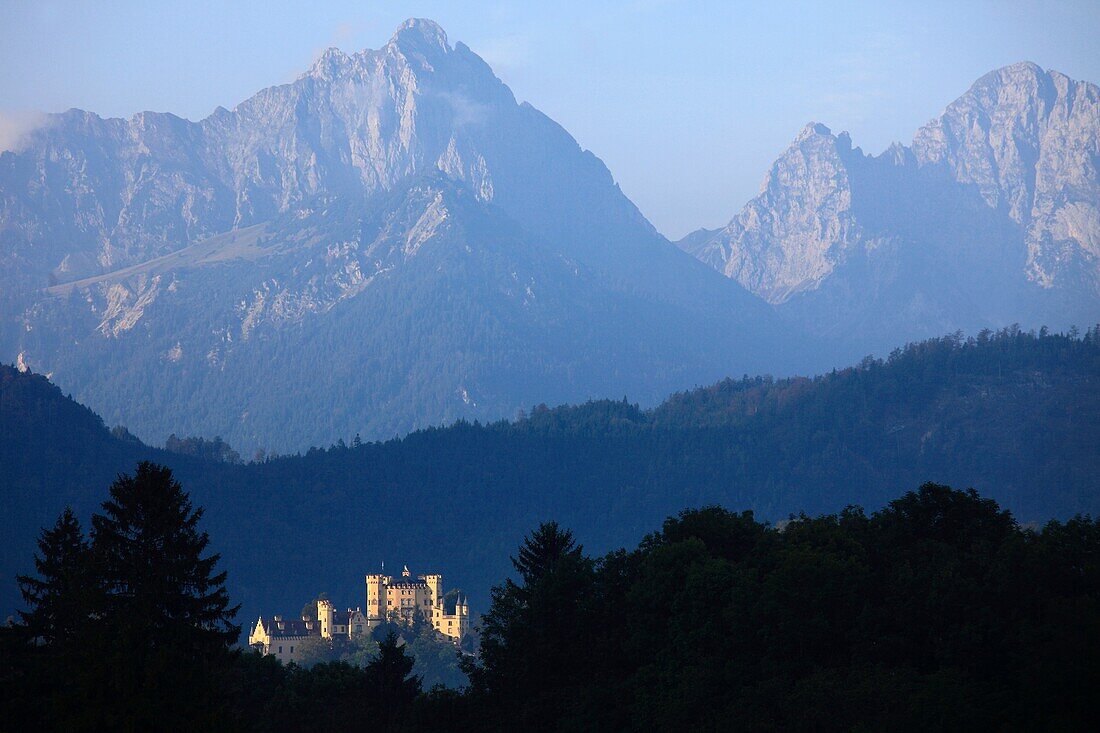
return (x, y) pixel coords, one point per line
(324, 618)
(376, 601)
(435, 588)
(435, 585)
(462, 610)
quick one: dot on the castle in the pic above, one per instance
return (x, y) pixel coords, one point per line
(401, 600)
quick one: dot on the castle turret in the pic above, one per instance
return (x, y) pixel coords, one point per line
(434, 581)
(435, 585)
(376, 601)
(464, 619)
(324, 618)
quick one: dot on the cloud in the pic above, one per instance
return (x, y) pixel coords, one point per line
(346, 32)
(466, 111)
(504, 53)
(347, 36)
(16, 125)
(860, 82)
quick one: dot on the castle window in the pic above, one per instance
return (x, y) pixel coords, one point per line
(280, 650)
(291, 650)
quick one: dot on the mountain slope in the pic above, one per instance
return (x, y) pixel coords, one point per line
(391, 237)
(1011, 415)
(992, 216)
(417, 307)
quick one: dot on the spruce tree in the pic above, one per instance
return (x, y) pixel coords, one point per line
(44, 653)
(391, 688)
(540, 618)
(390, 677)
(166, 624)
(60, 597)
(543, 550)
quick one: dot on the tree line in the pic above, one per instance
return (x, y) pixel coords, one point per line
(937, 612)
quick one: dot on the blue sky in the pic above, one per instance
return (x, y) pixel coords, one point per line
(688, 103)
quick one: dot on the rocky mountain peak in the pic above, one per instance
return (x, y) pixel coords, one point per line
(420, 36)
(1022, 87)
(816, 140)
(997, 195)
(812, 130)
(329, 63)
(1018, 70)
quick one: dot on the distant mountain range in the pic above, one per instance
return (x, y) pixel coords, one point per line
(395, 242)
(391, 238)
(1011, 415)
(991, 216)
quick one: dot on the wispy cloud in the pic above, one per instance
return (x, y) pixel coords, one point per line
(15, 126)
(504, 53)
(858, 83)
(465, 110)
(347, 35)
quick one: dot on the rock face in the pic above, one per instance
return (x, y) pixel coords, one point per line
(390, 238)
(87, 195)
(1029, 141)
(991, 216)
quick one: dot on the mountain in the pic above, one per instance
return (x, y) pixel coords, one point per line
(991, 216)
(391, 237)
(1010, 414)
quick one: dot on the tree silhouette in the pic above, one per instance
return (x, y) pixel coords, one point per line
(543, 618)
(44, 654)
(391, 686)
(543, 550)
(390, 673)
(60, 597)
(165, 626)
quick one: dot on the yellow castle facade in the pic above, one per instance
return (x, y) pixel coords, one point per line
(404, 599)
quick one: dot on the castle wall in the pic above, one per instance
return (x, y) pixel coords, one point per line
(406, 599)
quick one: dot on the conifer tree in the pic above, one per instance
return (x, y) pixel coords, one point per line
(165, 627)
(540, 618)
(60, 597)
(390, 673)
(543, 550)
(391, 686)
(150, 553)
(44, 653)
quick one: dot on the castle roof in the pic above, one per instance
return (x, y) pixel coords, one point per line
(407, 584)
(343, 617)
(278, 627)
(405, 581)
(449, 604)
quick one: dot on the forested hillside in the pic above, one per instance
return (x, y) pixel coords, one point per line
(1011, 414)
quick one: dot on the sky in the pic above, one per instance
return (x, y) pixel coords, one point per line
(688, 103)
